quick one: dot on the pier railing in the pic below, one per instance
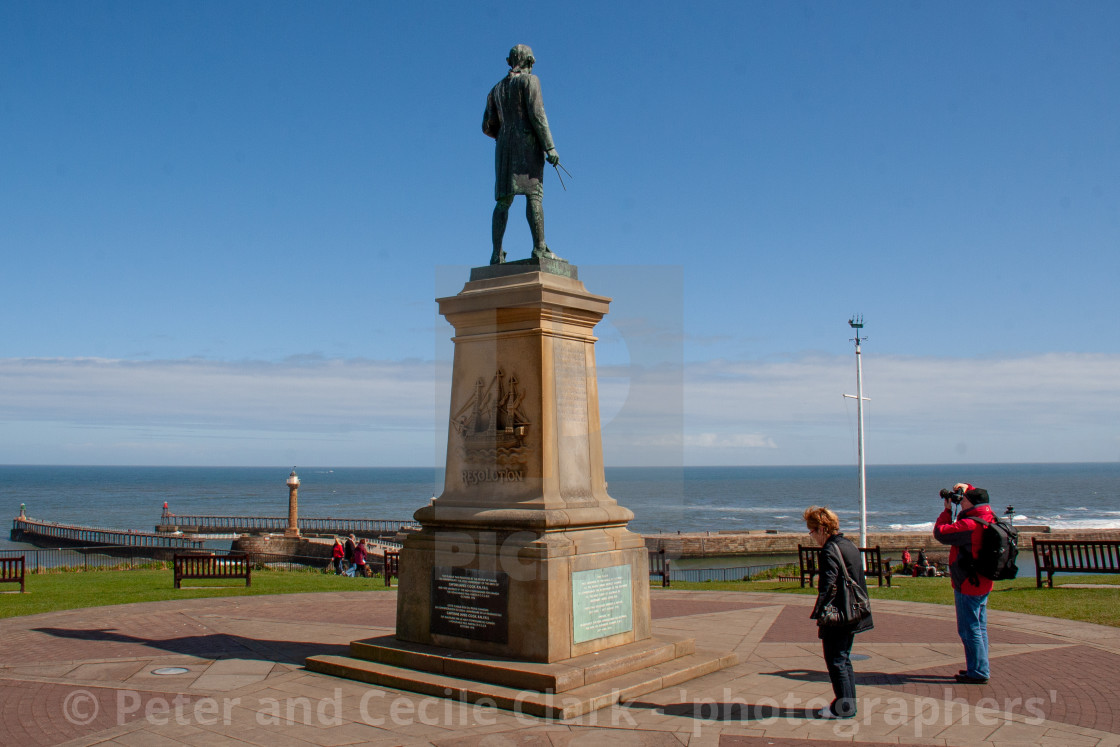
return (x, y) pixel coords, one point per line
(40, 560)
(24, 529)
(258, 524)
(740, 573)
(44, 559)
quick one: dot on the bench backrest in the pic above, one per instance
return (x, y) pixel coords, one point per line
(11, 569)
(808, 558)
(1077, 554)
(211, 565)
(392, 566)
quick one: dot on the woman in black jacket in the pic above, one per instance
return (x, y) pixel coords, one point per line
(824, 528)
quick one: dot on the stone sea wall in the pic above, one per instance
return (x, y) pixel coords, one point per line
(758, 543)
(283, 546)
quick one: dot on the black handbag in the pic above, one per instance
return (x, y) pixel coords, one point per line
(854, 607)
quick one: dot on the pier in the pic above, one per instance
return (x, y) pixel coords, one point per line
(370, 528)
(39, 532)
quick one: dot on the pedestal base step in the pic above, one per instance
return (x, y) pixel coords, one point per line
(547, 704)
(559, 676)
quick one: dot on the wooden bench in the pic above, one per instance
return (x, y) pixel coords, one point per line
(874, 566)
(392, 566)
(659, 566)
(1083, 556)
(12, 571)
(808, 558)
(212, 566)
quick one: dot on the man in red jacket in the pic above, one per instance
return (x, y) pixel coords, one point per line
(970, 590)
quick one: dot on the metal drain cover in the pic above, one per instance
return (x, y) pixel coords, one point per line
(170, 670)
(859, 657)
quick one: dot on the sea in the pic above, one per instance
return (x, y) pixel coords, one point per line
(663, 499)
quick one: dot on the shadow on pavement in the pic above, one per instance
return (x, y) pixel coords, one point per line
(726, 711)
(868, 678)
(211, 646)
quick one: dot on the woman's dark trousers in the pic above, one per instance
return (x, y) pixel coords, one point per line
(837, 650)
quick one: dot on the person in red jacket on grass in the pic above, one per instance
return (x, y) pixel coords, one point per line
(970, 590)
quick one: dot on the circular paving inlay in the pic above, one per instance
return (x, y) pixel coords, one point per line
(170, 670)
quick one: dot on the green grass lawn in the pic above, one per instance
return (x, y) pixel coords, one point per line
(47, 592)
(1100, 606)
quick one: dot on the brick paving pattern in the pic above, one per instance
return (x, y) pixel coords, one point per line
(1074, 685)
(663, 608)
(86, 677)
(795, 626)
(31, 711)
(728, 740)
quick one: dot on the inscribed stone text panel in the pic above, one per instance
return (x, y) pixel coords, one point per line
(602, 603)
(470, 603)
(570, 362)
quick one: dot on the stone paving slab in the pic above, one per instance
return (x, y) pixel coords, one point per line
(83, 677)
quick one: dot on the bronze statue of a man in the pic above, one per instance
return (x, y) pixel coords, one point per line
(515, 118)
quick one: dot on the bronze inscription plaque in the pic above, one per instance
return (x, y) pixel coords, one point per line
(470, 603)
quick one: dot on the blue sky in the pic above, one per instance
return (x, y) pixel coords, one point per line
(224, 224)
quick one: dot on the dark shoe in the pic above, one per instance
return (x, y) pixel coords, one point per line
(498, 258)
(826, 714)
(965, 679)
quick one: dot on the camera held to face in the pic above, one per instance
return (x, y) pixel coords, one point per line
(951, 495)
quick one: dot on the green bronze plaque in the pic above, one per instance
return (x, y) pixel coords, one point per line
(602, 603)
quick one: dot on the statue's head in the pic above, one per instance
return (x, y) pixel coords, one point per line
(521, 58)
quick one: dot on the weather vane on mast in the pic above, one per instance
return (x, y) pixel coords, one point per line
(856, 323)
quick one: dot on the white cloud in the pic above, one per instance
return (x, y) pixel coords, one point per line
(1049, 407)
(308, 393)
(729, 441)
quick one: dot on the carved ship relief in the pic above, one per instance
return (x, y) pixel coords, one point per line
(491, 425)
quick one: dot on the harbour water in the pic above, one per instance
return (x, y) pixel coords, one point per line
(690, 499)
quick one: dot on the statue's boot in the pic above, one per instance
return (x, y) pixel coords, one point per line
(535, 214)
(545, 253)
(497, 227)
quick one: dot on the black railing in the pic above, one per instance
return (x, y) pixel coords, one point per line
(86, 558)
(23, 527)
(249, 524)
(44, 559)
(741, 573)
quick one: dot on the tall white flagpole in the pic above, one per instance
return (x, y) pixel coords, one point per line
(856, 323)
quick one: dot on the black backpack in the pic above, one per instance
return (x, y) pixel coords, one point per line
(999, 549)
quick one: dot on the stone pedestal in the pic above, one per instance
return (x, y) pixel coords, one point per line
(524, 574)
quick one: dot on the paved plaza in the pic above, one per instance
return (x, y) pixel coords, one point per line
(234, 675)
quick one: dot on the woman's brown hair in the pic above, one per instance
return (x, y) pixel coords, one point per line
(820, 517)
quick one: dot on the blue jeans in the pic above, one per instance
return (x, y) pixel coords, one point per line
(837, 658)
(972, 627)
